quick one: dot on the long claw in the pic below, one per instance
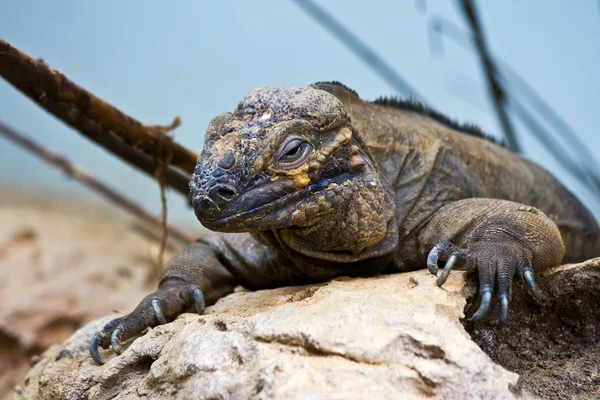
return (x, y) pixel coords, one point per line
(432, 261)
(115, 341)
(503, 311)
(532, 286)
(94, 344)
(158, 312)
(199, 300)
(446, 271)
(484, 307)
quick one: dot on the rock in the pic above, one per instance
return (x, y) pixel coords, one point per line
(63, 263)
(394, 336)
(388, 337)
(555, 347)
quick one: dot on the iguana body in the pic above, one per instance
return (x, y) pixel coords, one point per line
(321, 183)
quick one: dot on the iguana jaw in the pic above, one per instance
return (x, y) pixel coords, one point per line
(298, 208)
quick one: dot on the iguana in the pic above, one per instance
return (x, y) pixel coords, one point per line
(305, 184)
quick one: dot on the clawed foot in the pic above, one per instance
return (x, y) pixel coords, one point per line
(162, 306)
(496, 263)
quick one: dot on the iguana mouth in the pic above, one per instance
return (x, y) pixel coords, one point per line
(295, 208)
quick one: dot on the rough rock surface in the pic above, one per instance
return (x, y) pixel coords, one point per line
(556, 347)
(63, 263)
(395, 336)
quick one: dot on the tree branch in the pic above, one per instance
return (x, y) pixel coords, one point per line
(495, 89)
(122, 135)
(358, 47)
(584, 168)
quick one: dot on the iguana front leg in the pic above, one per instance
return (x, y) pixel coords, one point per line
(203, 272)
(497, 238)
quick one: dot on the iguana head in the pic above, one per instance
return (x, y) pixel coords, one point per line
(290, 160)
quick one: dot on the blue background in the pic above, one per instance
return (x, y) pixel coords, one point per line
(155, 59)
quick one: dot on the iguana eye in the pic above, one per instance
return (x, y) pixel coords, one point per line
(293, 153)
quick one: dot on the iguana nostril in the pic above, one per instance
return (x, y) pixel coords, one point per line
(227, 161)
(222, 193)
(226, 193)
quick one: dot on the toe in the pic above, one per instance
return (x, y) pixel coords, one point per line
(487, 273)
(94, 346)
(528, 277)
(115, 341)
(504, 301)
(484, 306)
(198, 299)
(432, 260)
(160, 316)
(447, 269)
(506, 272)
(442, 251)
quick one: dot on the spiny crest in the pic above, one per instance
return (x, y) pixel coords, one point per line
(329, 85)
(411, 104)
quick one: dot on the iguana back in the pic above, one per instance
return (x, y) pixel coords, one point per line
(431, 160)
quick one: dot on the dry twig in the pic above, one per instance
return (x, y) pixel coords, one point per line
(161, 178)
(91, 182)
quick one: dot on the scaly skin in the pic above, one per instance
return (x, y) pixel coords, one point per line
(305, 184)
